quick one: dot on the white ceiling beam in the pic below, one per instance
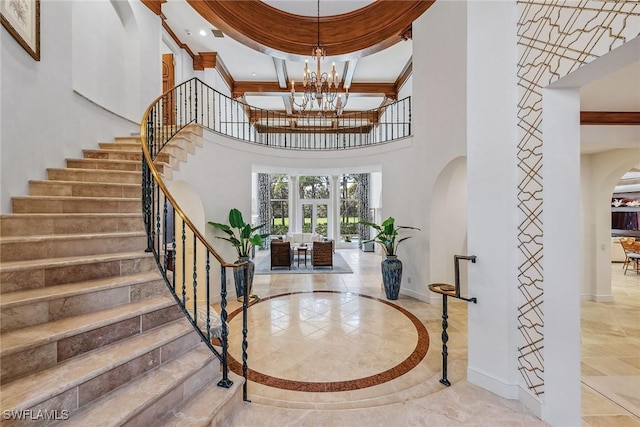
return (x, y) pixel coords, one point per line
(349, 71)
(281, 72)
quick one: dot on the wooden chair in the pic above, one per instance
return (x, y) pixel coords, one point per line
(322, 254)
(281, 255)
(631, 249)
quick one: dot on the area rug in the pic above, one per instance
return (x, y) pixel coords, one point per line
(340, 266)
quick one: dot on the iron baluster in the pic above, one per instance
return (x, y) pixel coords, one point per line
(195, 277)
(184, 271)
(245, 344)
(224, 336)
(208, 273)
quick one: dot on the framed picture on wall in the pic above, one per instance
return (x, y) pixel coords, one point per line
(22, 19)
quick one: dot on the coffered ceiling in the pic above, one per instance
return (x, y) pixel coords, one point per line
(265, 52)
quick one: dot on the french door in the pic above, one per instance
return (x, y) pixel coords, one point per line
(315, 215)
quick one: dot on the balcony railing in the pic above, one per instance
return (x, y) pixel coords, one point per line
(196, 102)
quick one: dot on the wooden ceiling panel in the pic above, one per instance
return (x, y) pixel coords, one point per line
(351, 35)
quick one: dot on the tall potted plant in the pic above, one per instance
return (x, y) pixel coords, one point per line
(244, 238)
(391, 266)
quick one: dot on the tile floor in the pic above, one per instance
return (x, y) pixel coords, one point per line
(305, 323)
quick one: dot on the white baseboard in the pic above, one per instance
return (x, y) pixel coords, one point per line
(494, 385)
(419, 296)
(505, 390)
(531, 402)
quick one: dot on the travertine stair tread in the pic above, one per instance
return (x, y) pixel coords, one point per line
(81, 215)
(129, 400)
(122, 145)
(110, 171)
(66, 261)
(75, 198)
(85, 183)
(89, 160)
(200, 410)
(47, 293)
(62, 237)
(34, 336)
(35, 388)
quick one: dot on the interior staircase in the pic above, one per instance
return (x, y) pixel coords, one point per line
(89, 333)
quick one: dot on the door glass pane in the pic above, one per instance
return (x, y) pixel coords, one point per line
(307, 216)
(321, 219)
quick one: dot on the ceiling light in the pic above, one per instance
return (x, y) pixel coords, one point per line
(318, 86)
(203, 33)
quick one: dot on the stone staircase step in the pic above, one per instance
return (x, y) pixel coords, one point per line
(122, 155)
(47, 224)
(124, 144)
(87, 375)
(121, 165)
(148, 398)
(209, 407)
(84, 189)
(112, 154)
(28, 350)
(24, 248)
(21, 309)
(70, 204)
(95, 175)
(32, 274)
(129, 139)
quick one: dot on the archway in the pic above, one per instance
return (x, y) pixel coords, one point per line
(448, 225)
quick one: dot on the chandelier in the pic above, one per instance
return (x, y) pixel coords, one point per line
(319, 87)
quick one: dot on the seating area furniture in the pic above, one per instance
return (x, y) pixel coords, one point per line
(322, 254)
(281, 254)
(301, 251)
(298, 239)
(631, 249)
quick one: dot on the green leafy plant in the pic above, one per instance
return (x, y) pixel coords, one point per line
(387, 234)
(241, 235)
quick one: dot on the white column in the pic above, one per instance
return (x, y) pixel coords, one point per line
(333, 232)
(561, 231)
(294, 199)
(492, 212)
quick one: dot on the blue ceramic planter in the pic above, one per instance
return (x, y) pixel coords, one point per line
(391, 276)
(239, 278)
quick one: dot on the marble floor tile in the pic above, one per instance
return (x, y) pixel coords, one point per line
(302, 334)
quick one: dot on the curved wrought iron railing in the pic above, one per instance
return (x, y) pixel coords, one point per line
(183, 255)
(312, 130)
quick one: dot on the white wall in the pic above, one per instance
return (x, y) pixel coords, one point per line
(43, 120)
(449, 207)
(600, 172)
(491, 139)
(439, 125)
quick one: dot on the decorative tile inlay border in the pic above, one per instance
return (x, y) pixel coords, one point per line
(554, 38)
(419, 352)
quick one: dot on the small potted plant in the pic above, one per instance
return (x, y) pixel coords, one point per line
(388, 238)
(244, 238)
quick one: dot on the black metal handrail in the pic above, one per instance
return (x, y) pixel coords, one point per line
(183, 255)
(312, 130)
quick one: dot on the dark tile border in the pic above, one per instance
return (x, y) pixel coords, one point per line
(419, 352)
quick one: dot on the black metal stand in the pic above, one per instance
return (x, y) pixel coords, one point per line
(445, 339)
(447, 290)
